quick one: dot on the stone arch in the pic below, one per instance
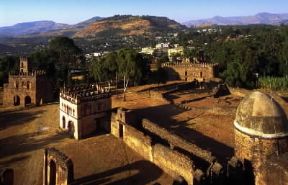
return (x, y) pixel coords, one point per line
(71, 128)
(52, 172)
(16, 100)
(63, 122)
(27, 100)
(57, 168)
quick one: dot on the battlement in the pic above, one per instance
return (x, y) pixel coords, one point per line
(187, 65)
(84, 93)
(28, 74)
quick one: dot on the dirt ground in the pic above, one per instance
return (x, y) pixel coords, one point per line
(98, 160)
(104, 159)
(209, 123)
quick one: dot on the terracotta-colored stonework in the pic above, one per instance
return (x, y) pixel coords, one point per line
(27, 87)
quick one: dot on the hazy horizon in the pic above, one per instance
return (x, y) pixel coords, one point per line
(75, 11)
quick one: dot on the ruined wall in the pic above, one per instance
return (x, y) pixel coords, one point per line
(114, 125)
(44, 90)
(58, 168)
(175, 158)
(189, 72)
(176, 141)
(173, 162)
(21, 86)
(37, 87)
(138, 142)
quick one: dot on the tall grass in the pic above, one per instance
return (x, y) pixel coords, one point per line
(274, 83)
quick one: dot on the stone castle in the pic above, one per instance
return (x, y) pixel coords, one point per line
(84, 109)
(191, 71)
(27, 87)
(261, 143)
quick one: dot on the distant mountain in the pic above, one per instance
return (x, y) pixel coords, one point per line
(6, 49)
(127, 25)
(261, 18)
(87, 22)
(31, 28)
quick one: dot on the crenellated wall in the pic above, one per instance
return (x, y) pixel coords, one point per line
(189, 72)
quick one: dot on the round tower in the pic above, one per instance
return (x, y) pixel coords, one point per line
(261, 128)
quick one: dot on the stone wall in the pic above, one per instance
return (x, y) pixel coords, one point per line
(273, 171)
(189, 72)
(17, 87)
(142, 144)
(173, 162)
(138, 142)
(85, 118)
(176, 141)
(58, 168)
(247, 147)
(37, 88)
(168, 151)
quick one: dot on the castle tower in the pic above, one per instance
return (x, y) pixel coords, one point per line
(261, 130)
(24, 65)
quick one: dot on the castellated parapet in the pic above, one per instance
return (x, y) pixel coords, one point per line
(191, 71)
(84, 109)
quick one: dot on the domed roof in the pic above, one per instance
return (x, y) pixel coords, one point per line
(258, 114)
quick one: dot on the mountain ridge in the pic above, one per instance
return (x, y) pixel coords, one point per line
(260, 18)
(118, 24)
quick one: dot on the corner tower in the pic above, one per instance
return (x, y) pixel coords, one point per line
(260, 127)
(261, 132)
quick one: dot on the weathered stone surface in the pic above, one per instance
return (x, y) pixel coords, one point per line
(260, 115)
(27, 87)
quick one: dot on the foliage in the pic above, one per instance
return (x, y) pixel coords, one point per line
(274, 83)
(7, 64)
(125, 62)
(63, 45)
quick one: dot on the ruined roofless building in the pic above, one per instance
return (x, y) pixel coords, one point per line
(27, 87)
(85, 109)
(261, 131)
(191, 71)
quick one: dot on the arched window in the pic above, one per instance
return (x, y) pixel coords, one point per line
(63, 122)
(28, 85)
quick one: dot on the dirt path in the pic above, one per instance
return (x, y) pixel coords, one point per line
(100, 160)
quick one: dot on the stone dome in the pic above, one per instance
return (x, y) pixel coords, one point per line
(259, 115)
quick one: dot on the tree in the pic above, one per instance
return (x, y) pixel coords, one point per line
(63, 45)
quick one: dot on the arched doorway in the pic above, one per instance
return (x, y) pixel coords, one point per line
(16, 100)
(63, 122)
(52, 173)
(27, 100)
(71, 128)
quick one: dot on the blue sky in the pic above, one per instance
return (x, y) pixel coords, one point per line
(74, 11)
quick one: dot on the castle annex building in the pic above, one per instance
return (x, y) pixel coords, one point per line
(191, 71)
(27, 87)
(84, 109)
